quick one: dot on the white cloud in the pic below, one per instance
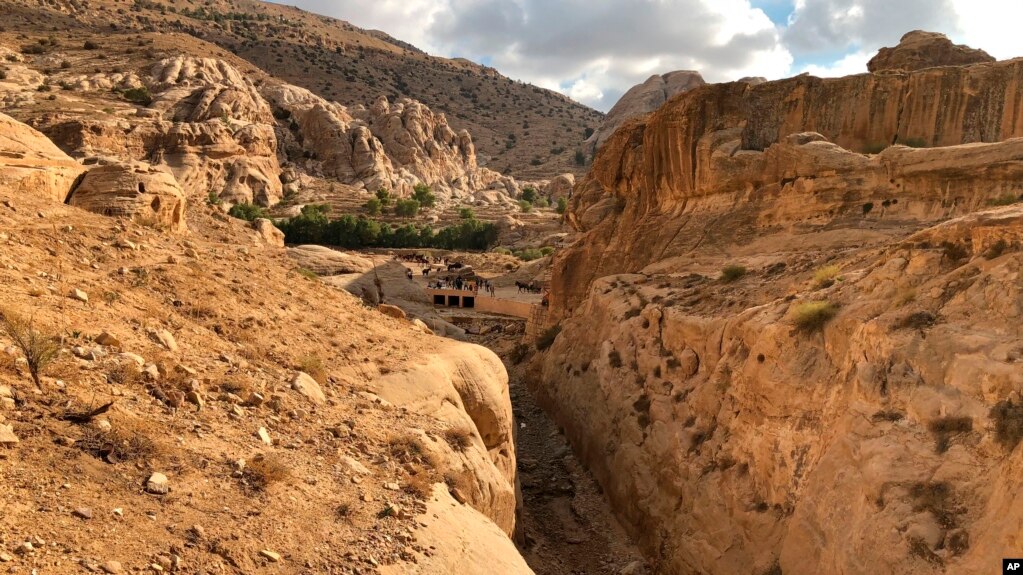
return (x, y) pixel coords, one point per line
(855, 63)
(992, 25)
(595, 50)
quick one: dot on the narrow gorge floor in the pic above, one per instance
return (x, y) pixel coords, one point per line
(566, 524)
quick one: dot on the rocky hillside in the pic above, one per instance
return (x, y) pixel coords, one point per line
(788, 338)
(206, 417)
(519, 129)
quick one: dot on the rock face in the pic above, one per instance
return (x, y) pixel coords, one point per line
(389, 146)
(31, 164)
(561, 187)
(642, 99)
(919, 49)
(136, 191)
(327, 262)
(730, 436)
(468, 386)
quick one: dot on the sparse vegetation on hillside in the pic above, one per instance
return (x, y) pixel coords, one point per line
(39, 346)
(247, 212)
(731, 273)
(813, 315)
(1008, 418)
(826, 276)
(945, 429)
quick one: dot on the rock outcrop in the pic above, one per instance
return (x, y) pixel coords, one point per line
(386, 146)
(918, 49)
(561, 187)
(137, 191)
(642, 99)
(839, 402)
(31, 164)
(324, 261)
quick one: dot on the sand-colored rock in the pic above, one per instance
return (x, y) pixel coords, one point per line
(918, 49)
(729, 440)
(462, 541)
(642, 99)
(561, 187)
(137, 191)
(31, 164)
(268, 232)
(468, 386)
(327, 262)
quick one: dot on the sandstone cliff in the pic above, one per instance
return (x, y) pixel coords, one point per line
(731, 435)
(919, 49)
(642, 99)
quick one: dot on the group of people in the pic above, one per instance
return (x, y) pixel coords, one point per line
(474, 284)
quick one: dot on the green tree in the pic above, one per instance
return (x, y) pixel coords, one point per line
(466, 214)
(422, 194)
(529, 194)
(525, 206)
(373, 207)
(562, 205)
(407, 208)
(247, 212)
(384, 196)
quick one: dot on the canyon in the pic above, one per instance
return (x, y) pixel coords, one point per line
(775, 330)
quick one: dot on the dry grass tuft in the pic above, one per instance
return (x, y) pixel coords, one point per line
(458, 438)
(1008, 418)
(826, 276)
(813, 315)
(313, 366)
(124, 442)
(410, 449)
(39, 346)
(263, 471)
(945, 429)
(124, 374)
(732, 273)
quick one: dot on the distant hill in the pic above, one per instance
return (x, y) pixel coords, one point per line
(518, 128)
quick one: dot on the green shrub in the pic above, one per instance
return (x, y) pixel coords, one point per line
(546, 251)
(562, 205)
(502, 251)
(384, 196)
(373, 207)
(90, 45)
(541, 203)
(406, 208)
(138, 96)
(731, 273)
(247, 212)
(466, 214)
(813, 315)
(529, 194)
(580, 158)
(422, 194)
(525, 207)
(213, 199)
(547, 338)
(529, 254)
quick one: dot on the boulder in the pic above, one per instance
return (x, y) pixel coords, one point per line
(918, 49)
(31, 164)
(268, 232)
(327, 262)
(307, 387)
(143, 193)
(561, 187)
(392, 311)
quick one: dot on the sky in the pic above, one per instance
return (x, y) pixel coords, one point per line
(595, 50)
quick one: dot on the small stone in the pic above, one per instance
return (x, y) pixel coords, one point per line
(25, 548)
(4, 557)
(119, 512)
(7, 436)
(80, 295)
(391, 486)
(264, 436)
(166, 339)
(108, 340)
(158, 484)
(83, 513)
(305, 385)
(458, 495)
(273, 556)
(196, 398)
(112, 567)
